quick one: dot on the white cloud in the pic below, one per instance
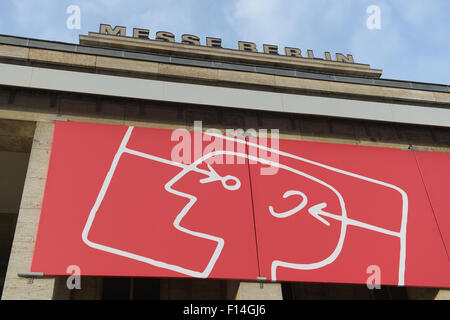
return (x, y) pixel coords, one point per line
(295, 23)
(414, 32)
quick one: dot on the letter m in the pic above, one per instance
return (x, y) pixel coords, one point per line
(117, 31)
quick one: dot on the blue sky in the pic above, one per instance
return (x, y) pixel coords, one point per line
(412, 44)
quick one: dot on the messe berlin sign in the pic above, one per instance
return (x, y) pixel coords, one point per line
(117, 203)
(190, 39)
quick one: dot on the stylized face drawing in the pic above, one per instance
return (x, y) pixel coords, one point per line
(291, 209)
(314, 215)
(189, 219)
(198, 208)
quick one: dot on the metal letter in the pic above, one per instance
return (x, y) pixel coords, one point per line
(341, 58)
(165, 36)
(190, 39)
(117, 31)
(311, 54)
(247, 46)
(293, 52)
(214, 42)
(141, 33)
(270, 49)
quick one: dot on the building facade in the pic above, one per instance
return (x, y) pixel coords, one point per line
(130, 81)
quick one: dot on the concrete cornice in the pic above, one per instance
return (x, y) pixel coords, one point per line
(222, 54)
(208, 95)
(144, 65)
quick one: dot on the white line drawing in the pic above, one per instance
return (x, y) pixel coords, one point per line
(294, 210)
(344, 219)
(316, 211)
(212, 176)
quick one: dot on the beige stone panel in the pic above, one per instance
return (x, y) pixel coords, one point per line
(37, 167)
(158, 125)
(27, 224)
(379, 91)
(33, 193)
(43, 135)
(22, 289)
(187, 71)
(329, 140)
(434, 148)
(20, 261)
(36, 175)
(350, 88)
(127, 64)
(7, 113)
(93, 119)
(299, 83)
(405, 94)
(60, 57)
(13, 52)
(440, 149)
(443, 295)
(384, 144)
(442, 97)
(246, 77)
(26, 228)
(291, 137)
(253, 291)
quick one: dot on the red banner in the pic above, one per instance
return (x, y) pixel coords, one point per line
(125, 201)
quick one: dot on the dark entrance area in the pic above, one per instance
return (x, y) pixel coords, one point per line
(16, 138)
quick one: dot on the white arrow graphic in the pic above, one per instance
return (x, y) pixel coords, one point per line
(214, 176)
(317, 212)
